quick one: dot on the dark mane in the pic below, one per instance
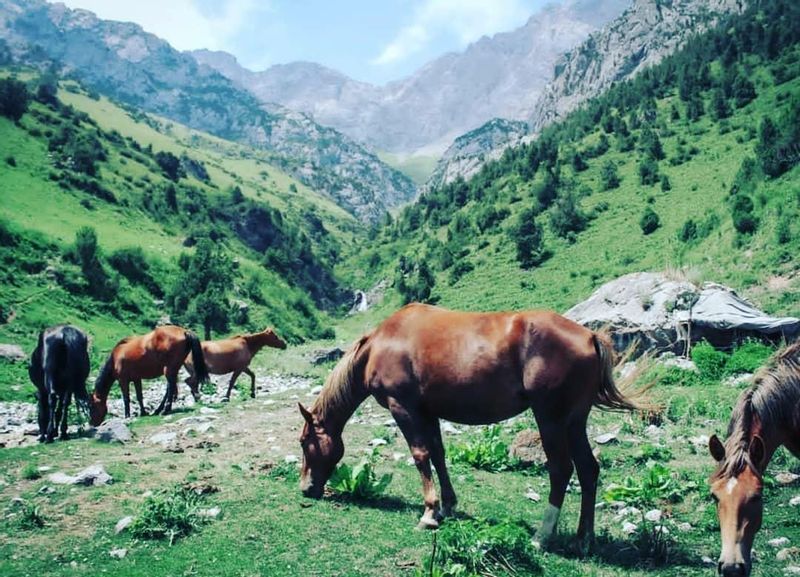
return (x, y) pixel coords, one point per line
(772, 399)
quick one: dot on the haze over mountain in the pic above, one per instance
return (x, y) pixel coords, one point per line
(501, 76)
(123, 61)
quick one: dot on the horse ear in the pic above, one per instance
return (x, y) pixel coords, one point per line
(716, 448)
(306, 414)
(757, 451)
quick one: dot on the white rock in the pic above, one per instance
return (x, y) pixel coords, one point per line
(118, 553)
(786, 478)
(46, 490)
(653, 431)
(377, 442)
(626, 511)
(684, 527)
(93, 475)
(60, 478)
(122, 524)
(389, 423)
(606, 438)
(163, 438)
(208, 410)
(699, 441)
(786, 553)
(291, 459)
(113, 431)
(397, 456)
(533, 496)
(792, 570)
(706, 560)
(211, 513)
(44, 468)
(315, 390)
(628, 527)
(795, 501)
(449, 428)
(653, 515)
(778, 542)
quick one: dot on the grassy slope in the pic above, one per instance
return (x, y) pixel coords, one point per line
(613, 243)
(418, 167)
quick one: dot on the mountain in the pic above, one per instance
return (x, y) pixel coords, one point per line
(642, 36)
(499, 76)
(124, 62)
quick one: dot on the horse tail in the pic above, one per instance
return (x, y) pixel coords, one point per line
(609, 396)
(77, 351)
(198, 360)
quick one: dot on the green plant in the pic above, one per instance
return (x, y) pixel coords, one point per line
(169, 514)
(285, 471)
(359, 482)
(31, 472)
(477, 547)
(487, 452)
(30, 517)
(649, 221)
(645, 490)
(748, 358)
(709, 361)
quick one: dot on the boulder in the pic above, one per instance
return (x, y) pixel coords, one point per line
(113, 431)
(93, 475)
(322, 356)
(12, 353)
(527, 447)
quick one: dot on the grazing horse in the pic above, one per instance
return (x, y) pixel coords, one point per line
(59, 368)
(233, 355)
(424, 363)
(159, 352)
(766, 416)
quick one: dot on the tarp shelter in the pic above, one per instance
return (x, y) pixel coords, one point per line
(667, 314)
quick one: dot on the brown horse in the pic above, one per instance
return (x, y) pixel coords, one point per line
(425, 363)
(233, 355)
(159, 352)
(766, 416)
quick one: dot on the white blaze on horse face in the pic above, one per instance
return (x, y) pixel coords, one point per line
(549, 523)
(731, 485)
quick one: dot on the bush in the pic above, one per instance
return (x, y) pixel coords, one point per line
(14, 98)
(566, 216)
(528, 237)
(487, 452)
(688, 231)
(169, 514)
(608, 176)
(709, 361)
(476, 547)
(744, 221)
(650, 221)
(748, 358)
(11, 161)
(359, 482)
(648, 171)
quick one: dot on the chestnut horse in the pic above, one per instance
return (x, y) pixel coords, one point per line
(425, 363)
(233, 355)
(59, 368)
(766, 416)
(159, 352)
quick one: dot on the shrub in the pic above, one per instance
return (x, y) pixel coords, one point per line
(648, 171)
(650, 221)
(609, 176)
(11, 161)
(567, 216)
(688, 231)
(359, 482)
(709, 361)
(744, 221)
(748, 358)
(528, 237)
(31, 472)
(30, 517)
(487, 452)
(476, 547)
(14, 98)
(169, 514)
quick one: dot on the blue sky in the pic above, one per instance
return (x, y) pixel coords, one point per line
(374, 41)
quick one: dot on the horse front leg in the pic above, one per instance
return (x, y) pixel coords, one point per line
(44, 414)
(125, 387)
(417, 435)
(232, 382)
(65, 402)
(137, 385)
(449, 499)
(52, 421)
(252, 376)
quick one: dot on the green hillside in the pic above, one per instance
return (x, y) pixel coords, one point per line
(74, 160)
(707, 141)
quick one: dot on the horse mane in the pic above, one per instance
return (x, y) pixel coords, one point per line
(337, 394)
(771, 399)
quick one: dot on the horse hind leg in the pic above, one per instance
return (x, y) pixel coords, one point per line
(449, 499)
(64, 416)
(137, 385)
(44, 414)
(588, 473)
(231, 383)
(52, 420)
(125, 387)
(559, 466)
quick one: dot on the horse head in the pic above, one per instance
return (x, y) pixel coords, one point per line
(270, 339)
(322, 450)
(737, 491)
(97, 410)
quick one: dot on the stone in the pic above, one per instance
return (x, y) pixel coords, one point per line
(377, 442)
(122, 524)
(291, 459)
(628, 527)
(527, 447)
(113, 431)
(606, 438)
(795, 501)
(163, 438)
(208, 411)
(448, 428)
(93, 475)
(322, 356)
(684, 527)
(778, 542)
(533, 496)
(787, 553)
(211, 513)
(118, 553)
(786, 478)
(654, 515)
(60, 478)
(12, 352)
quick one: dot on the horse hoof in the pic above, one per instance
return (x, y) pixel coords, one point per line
(226, 399)
(425, 523)
(42, 438)
(144, 414)
(252, 395)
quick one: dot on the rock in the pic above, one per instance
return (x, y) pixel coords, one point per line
(113, 431)
(533, 496)
(208, 411)
(706, 560)
(445, 426)
(654, 515)
(195, 420)
(93, 475)
(397, 456)
(628, 527)
(684, 527)
(795, 501)
(12, 353)
(787, 553)
(122, 524)
(60, 478)
(315, 390)
(699, 441)
(291, 459)
(653, 431)
(46, 490)
(527, 447)
(118, 553)
(377, 442)
(786, 478)
(323, 356)
(606, 438)
(211, 513)
(778, 542)
(164, 438)
(792, 570)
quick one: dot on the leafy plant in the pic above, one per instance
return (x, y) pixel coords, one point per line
(487, 452)
(655, 484)
(476, 547)
(31, 472)
(359, 482)
(709, 361)
(169, 514)
(748, 358)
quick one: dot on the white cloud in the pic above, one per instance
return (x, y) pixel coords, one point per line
(185, 24)
(468, 20)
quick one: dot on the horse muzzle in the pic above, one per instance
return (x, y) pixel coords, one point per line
(309, 489)
(733, 569)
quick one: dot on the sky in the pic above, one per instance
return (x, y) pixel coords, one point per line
(374, 41)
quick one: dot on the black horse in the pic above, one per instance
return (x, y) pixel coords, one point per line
(59, 368)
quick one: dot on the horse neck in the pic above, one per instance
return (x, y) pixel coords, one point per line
(105, 379)
(255, 342)
(342, 394)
